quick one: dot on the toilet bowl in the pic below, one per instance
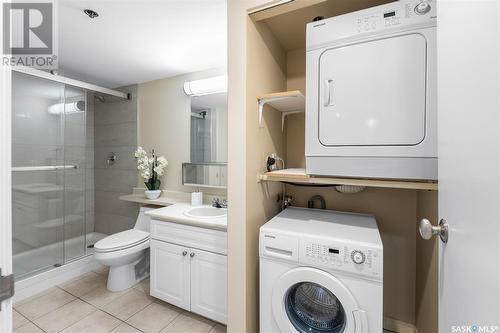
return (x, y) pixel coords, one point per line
(126, 253)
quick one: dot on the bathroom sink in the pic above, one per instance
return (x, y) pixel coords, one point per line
(206, 212)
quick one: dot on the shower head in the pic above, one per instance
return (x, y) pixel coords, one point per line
(100, 98)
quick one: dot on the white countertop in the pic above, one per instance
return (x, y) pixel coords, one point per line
(175, 214)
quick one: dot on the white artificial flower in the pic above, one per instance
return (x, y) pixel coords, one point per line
(145, 163)
(162, 161)
(158, 170)
(146, 174)
(140, 152)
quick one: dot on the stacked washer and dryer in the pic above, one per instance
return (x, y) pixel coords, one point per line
(371, 112)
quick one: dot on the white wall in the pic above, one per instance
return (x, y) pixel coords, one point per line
(164, 123)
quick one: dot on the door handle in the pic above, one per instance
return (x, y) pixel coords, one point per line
(184, 253)
(191, 254)
(328, 92)
(427, 230)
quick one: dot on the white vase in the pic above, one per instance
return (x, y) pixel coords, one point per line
(155, 194)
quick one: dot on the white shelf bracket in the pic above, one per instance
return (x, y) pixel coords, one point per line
(264, 101)
(285, 114)
(261, 110)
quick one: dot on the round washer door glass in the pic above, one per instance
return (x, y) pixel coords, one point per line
(313, 308)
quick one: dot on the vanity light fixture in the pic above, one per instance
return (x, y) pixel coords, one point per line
(67, 108)
(212, 85)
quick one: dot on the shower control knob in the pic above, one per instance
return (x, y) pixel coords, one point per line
(358, 257)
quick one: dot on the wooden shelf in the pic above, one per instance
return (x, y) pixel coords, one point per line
(161, 201)
(287, 102)
(299, 176)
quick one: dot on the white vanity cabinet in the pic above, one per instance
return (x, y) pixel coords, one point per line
(189, 268)
(170, 278)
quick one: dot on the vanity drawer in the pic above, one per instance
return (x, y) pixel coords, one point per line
(186, 235)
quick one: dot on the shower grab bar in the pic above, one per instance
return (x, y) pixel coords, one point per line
(44, 168)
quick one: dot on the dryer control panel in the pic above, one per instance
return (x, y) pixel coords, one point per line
(349, 258)
(399, 15)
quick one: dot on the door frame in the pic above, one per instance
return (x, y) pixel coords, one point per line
(5, 185)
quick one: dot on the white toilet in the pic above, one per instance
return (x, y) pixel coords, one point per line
(126, 253)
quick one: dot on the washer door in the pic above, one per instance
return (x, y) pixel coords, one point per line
(310, 300)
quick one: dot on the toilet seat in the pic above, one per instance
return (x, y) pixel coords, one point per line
(121, 240)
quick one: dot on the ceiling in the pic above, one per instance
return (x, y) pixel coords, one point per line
(135, 41)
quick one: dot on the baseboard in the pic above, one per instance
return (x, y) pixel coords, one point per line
(45, 280)
(398, 326)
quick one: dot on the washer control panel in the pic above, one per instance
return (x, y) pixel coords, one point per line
(350, 258)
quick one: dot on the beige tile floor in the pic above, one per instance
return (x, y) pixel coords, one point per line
(84, 305)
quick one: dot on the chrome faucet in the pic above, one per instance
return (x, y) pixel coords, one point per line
(217, 203)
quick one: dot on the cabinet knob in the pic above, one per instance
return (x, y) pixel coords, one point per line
(184, 253)
(191, 254)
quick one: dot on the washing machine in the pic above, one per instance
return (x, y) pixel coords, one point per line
(371, 103)
(320, 271)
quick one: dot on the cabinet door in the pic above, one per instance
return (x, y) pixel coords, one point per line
(170, 273)
(209, 285)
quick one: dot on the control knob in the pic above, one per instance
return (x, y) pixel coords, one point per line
(423, 8)
(358, 257)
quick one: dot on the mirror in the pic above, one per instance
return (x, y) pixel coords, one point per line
(209, 128)
(205, 174)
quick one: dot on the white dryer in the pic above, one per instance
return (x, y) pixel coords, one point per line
(371, 104)
(320, 271)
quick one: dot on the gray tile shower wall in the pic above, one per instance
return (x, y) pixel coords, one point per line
(115, 130)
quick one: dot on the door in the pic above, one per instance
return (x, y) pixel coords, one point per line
(38, 162)
(311, 300)
(469, 165)
(209, 269)
(170, 278)
(5, 190)
(373, 93)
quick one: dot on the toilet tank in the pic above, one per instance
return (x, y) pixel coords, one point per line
(143, 220)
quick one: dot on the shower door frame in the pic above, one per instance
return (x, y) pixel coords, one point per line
(70, 82)
(65, 83)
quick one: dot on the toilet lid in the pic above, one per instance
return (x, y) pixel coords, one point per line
(121, 240)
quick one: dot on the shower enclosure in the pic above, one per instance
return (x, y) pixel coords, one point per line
(50, 149)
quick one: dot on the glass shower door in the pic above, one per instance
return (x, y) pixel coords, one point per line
(48, 173)
(37, 176)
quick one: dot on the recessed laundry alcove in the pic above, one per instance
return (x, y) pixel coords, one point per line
(276, 62)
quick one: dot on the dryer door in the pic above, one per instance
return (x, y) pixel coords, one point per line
(311, 300)
(373, 93)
